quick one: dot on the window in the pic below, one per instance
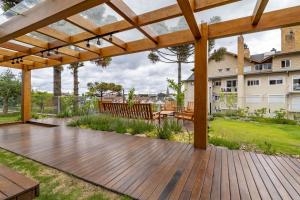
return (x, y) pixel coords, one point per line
(231, 83)
(276, 99)
(285, 63)
(216, 98)
(296, 84)
(252, 82)
(217, 83)
(220, 70)
(227, 69)
(274, 81)
(253, 99)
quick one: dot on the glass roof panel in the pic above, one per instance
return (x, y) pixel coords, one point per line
(169, 26)
(103, 43)
(18, 9)
(75, 48)
(231, 11)
(21, 43)
(276, 5)
(130, 35)
(41, 37)
(101, 15)
(66, 27)
(143, 6)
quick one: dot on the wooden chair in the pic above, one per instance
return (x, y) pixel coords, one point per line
(169, 106)
(136, 111)
(184, 116)
(190, 107)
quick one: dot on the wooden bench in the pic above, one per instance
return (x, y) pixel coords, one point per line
(16, 186)
(136, 111)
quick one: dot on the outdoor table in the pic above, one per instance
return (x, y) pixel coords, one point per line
(16, 186)
(165, 114)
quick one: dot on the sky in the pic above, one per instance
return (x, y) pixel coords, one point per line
(135, 70)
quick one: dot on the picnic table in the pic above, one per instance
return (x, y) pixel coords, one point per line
(16, 186)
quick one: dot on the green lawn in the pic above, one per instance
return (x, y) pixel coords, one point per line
(9, 118)
(55, 185)
(269, 138)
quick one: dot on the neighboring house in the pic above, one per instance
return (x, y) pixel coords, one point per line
(270, 80)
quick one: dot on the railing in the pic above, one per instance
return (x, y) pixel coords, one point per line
(229, 89)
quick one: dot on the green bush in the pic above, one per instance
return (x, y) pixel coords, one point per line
(260, 112)
(267, 148)
(280, 114)
(109, 123)
(174, 126)
(274, 120)
(219, 141)
(164, 132)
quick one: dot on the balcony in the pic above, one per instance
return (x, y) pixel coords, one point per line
(263, 67)
(229, 89)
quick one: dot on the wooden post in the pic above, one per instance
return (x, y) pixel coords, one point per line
(26, 95)
(201, 90)
(240, 78)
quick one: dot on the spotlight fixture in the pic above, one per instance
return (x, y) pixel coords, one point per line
(21, 60)
(12, 62)
(48, 53)
(17, 61)
(42, 54)
(56, 51)
(110, 38)
(88, 44)
(98, 42)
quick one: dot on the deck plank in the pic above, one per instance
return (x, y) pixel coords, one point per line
(152, 169)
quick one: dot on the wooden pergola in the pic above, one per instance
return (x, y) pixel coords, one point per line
(38, 18)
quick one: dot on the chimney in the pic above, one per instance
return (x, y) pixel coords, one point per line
(246, 51)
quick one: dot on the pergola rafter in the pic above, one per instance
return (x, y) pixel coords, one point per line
(40, 17)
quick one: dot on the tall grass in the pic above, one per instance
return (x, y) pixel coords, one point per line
(109, 123)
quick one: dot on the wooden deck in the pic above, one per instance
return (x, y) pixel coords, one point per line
(16, 186)
(155, 169)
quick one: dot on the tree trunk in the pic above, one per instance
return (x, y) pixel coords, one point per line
(57, 86)
(76, 88)
(5, 105)
(179, 88)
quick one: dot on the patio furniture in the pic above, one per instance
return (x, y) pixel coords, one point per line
(169, 106)
(184, 116)
(16, 186)
(136, 111)
(165, 114)
(190, 107)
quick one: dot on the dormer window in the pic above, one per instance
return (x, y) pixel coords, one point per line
(285, 63)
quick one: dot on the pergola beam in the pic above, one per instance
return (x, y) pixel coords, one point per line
(123, 10)
(258, 11)
(42, 15)
(187, 7)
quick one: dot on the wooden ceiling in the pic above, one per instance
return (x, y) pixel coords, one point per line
(35, 55)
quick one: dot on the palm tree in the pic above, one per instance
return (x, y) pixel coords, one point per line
(74, 67)
(7, 4)
(57, 86)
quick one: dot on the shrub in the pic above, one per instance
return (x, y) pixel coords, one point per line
(260, 112)
(274, 120)
(218, 141)
(267, 148)
(164, 132)
(174, 126)
(139, 126)
(280, 114)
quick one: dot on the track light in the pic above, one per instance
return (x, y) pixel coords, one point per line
(56, 51)
(21, 60)
(17, 61)
(98, 42)
(13, 62)
(42, 54)
(110, 38)
(48, 53)
(88, 44)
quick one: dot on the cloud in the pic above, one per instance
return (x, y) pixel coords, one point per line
(135, 70)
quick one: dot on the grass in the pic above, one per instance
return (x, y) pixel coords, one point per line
(109, 123)
(13, 117)
(266, 137)
(56, 185)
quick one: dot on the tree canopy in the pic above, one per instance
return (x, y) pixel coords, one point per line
(10, 88)
(99, 89)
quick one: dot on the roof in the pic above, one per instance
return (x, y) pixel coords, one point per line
(62, 32)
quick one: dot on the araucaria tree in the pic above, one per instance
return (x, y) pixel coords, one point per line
(99, 89)
(182, 54)
(10, 88)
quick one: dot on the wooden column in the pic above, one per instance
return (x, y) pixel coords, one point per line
(26, 95)
(240, 77)
(201, 90)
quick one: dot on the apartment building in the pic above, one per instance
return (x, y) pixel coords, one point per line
(270, 80)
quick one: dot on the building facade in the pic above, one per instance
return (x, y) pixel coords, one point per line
(270, 80)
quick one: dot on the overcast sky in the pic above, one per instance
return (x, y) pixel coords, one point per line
(137, 71)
